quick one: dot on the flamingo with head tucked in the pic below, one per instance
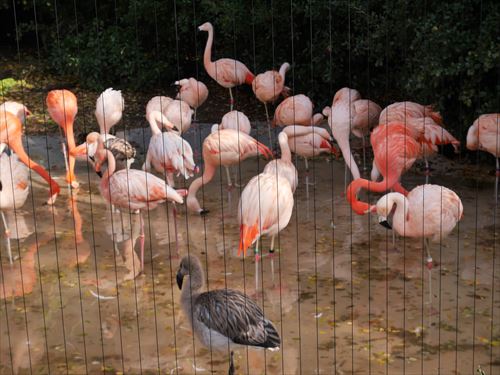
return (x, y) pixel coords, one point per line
(62, 107)
(11, 135)
(193, 92)
(350, 114)
(223, 147)
(395, 148)
(226, 72)
(296, 110)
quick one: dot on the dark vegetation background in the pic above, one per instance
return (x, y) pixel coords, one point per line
(442, 52)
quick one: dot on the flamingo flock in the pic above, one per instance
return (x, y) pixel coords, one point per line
(399, 135)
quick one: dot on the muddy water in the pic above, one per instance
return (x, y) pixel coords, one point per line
(344, 299)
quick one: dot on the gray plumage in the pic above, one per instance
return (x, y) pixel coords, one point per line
(123, 151)
(223, 316)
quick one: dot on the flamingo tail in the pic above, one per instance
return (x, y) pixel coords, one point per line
(264, 150)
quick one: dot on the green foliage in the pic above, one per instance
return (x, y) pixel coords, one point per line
(9, 84)
(440, 52)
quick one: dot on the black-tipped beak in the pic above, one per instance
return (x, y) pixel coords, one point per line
(175, 128)
(1, 186)
(99, 173)
(383, 221)
(179, 278)
(204, 211)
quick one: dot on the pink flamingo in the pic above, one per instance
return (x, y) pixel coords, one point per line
(484, 134)
(11, 135)
(193, 92)
(296, 110)
(158, 103)
(133, 189)
(62, 107)
(351, 114)
(268, 86)
(179, 116)
(226, 72)
(395, 149)
(419, 116)
(224, 147)
(265, 208)
(17, 109)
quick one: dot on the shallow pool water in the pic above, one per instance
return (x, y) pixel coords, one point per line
(344, 299)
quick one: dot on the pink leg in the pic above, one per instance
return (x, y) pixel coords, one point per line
(141, 236)
(174, 212)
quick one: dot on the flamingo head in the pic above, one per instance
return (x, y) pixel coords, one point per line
(384, 208)
(207, 26)
(190, 266)
(17, 109)
(346, 94)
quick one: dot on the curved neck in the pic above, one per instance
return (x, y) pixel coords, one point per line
(153, 119)
(401, 202)
(111, 164)
(379, 187)
(348, 157)
(70, 137)
(297, 130)
(207, 176)
(285, 150)
(283, 69)
(207, 56)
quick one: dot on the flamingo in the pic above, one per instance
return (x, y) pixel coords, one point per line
(133, 189)
(108, 112)
(428, 211)
(351, 114)
(11, 135)
(158, 103)
(193, 92)
(395, 149)
(296, 110)
(268, 86)
(265, 208)
(484, 134)
(17, 109)
(226, 72)
(169, 154)
(62, 107)
(225, 147)
(419, 116)
(235, 120)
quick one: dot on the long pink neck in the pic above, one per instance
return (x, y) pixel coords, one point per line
(207, 56)
(207, 176)
(379, 187)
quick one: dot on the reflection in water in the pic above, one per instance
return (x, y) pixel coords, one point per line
(342, 297)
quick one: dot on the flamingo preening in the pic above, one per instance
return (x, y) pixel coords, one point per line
(224, 147)
(133, 189)
(395, 149)
(226, 72)
(193, 92)
(351, 114)
(62, 107)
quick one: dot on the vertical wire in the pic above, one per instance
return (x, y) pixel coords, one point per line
(314, 195)
(56, 247)
(332, 196)
(110, 206)
(405, 35)
(292, 49)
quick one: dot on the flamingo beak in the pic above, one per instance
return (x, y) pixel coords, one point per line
(180, 279)
(383, 221)
(80, 150)
(1, 186)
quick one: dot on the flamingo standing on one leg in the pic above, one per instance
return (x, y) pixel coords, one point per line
(224, 147)
(268, 86)
(226, 72)
(351, 114)
(395, 149)
(11, 135)
(428, 211)
(484, 134)
(193, 92)
(133, 189)
(62, 107)
(296, 110)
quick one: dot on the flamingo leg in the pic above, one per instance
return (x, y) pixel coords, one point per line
(141, 239)
(174, 213)
(229, 182)
(268, 124)
(7, 237)
(65, 154)
(271, 254)
(257, 260)
(364, 153)
(429, 267)
(231, 100)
